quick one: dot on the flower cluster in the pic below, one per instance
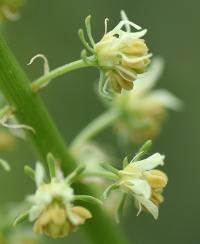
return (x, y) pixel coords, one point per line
(52, 206)
(120, 54)
(143, 110)
(141, 180)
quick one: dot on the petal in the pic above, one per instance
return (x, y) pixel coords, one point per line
(149, 205)
(140, 187)
(35, 212)
(148, 80)
(167, 99)
(151, 162)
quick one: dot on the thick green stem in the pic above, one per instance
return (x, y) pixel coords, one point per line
(31, 111)
(44, 80)
(93, 128)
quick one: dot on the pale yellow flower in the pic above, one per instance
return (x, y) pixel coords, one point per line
(122, 55)
(141, 180)
(143, 110)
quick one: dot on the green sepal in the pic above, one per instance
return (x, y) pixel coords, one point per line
(125, 162)
(83, 40)
(143, 150)
(89, 29)
(119, 210)
(4, 165)
(89, 199)
(110, 168)
(52, 165)
(71, 178)
(23, 217)
(109, 189)
(29, 172)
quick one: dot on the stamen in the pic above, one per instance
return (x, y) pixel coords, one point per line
(84, 42)
(122, 23)
(106, 25)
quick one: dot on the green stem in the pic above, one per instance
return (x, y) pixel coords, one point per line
(44, 80)
(106, 175)
(93, 128)
(31, 111)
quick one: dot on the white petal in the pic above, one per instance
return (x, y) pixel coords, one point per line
(149, 205)
(151, 162)
(167, 99)
(35, 212)
(140, 187)
(148, 79)
(39, 174)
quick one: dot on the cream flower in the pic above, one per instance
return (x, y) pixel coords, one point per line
(52, 206)
(143, 110)
(140, 180)
(123, 55)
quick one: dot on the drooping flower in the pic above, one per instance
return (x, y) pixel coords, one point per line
(143, 182)
(143, 110)
(121, 54)
(146, 184)
(52, 206)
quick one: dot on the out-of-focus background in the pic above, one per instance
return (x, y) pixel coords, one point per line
(50, 27)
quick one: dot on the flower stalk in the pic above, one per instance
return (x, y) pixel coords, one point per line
(93, 128)
(43, 80)
(31, 111)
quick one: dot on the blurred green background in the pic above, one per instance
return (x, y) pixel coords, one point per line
(50, 27)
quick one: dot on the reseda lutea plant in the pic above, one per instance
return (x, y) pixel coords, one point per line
(55, 209)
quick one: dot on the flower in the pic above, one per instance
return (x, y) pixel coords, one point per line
(142, 181)
(9, 8)
(143, 110)
(146, 184)
(120, 54)
(52, 207)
